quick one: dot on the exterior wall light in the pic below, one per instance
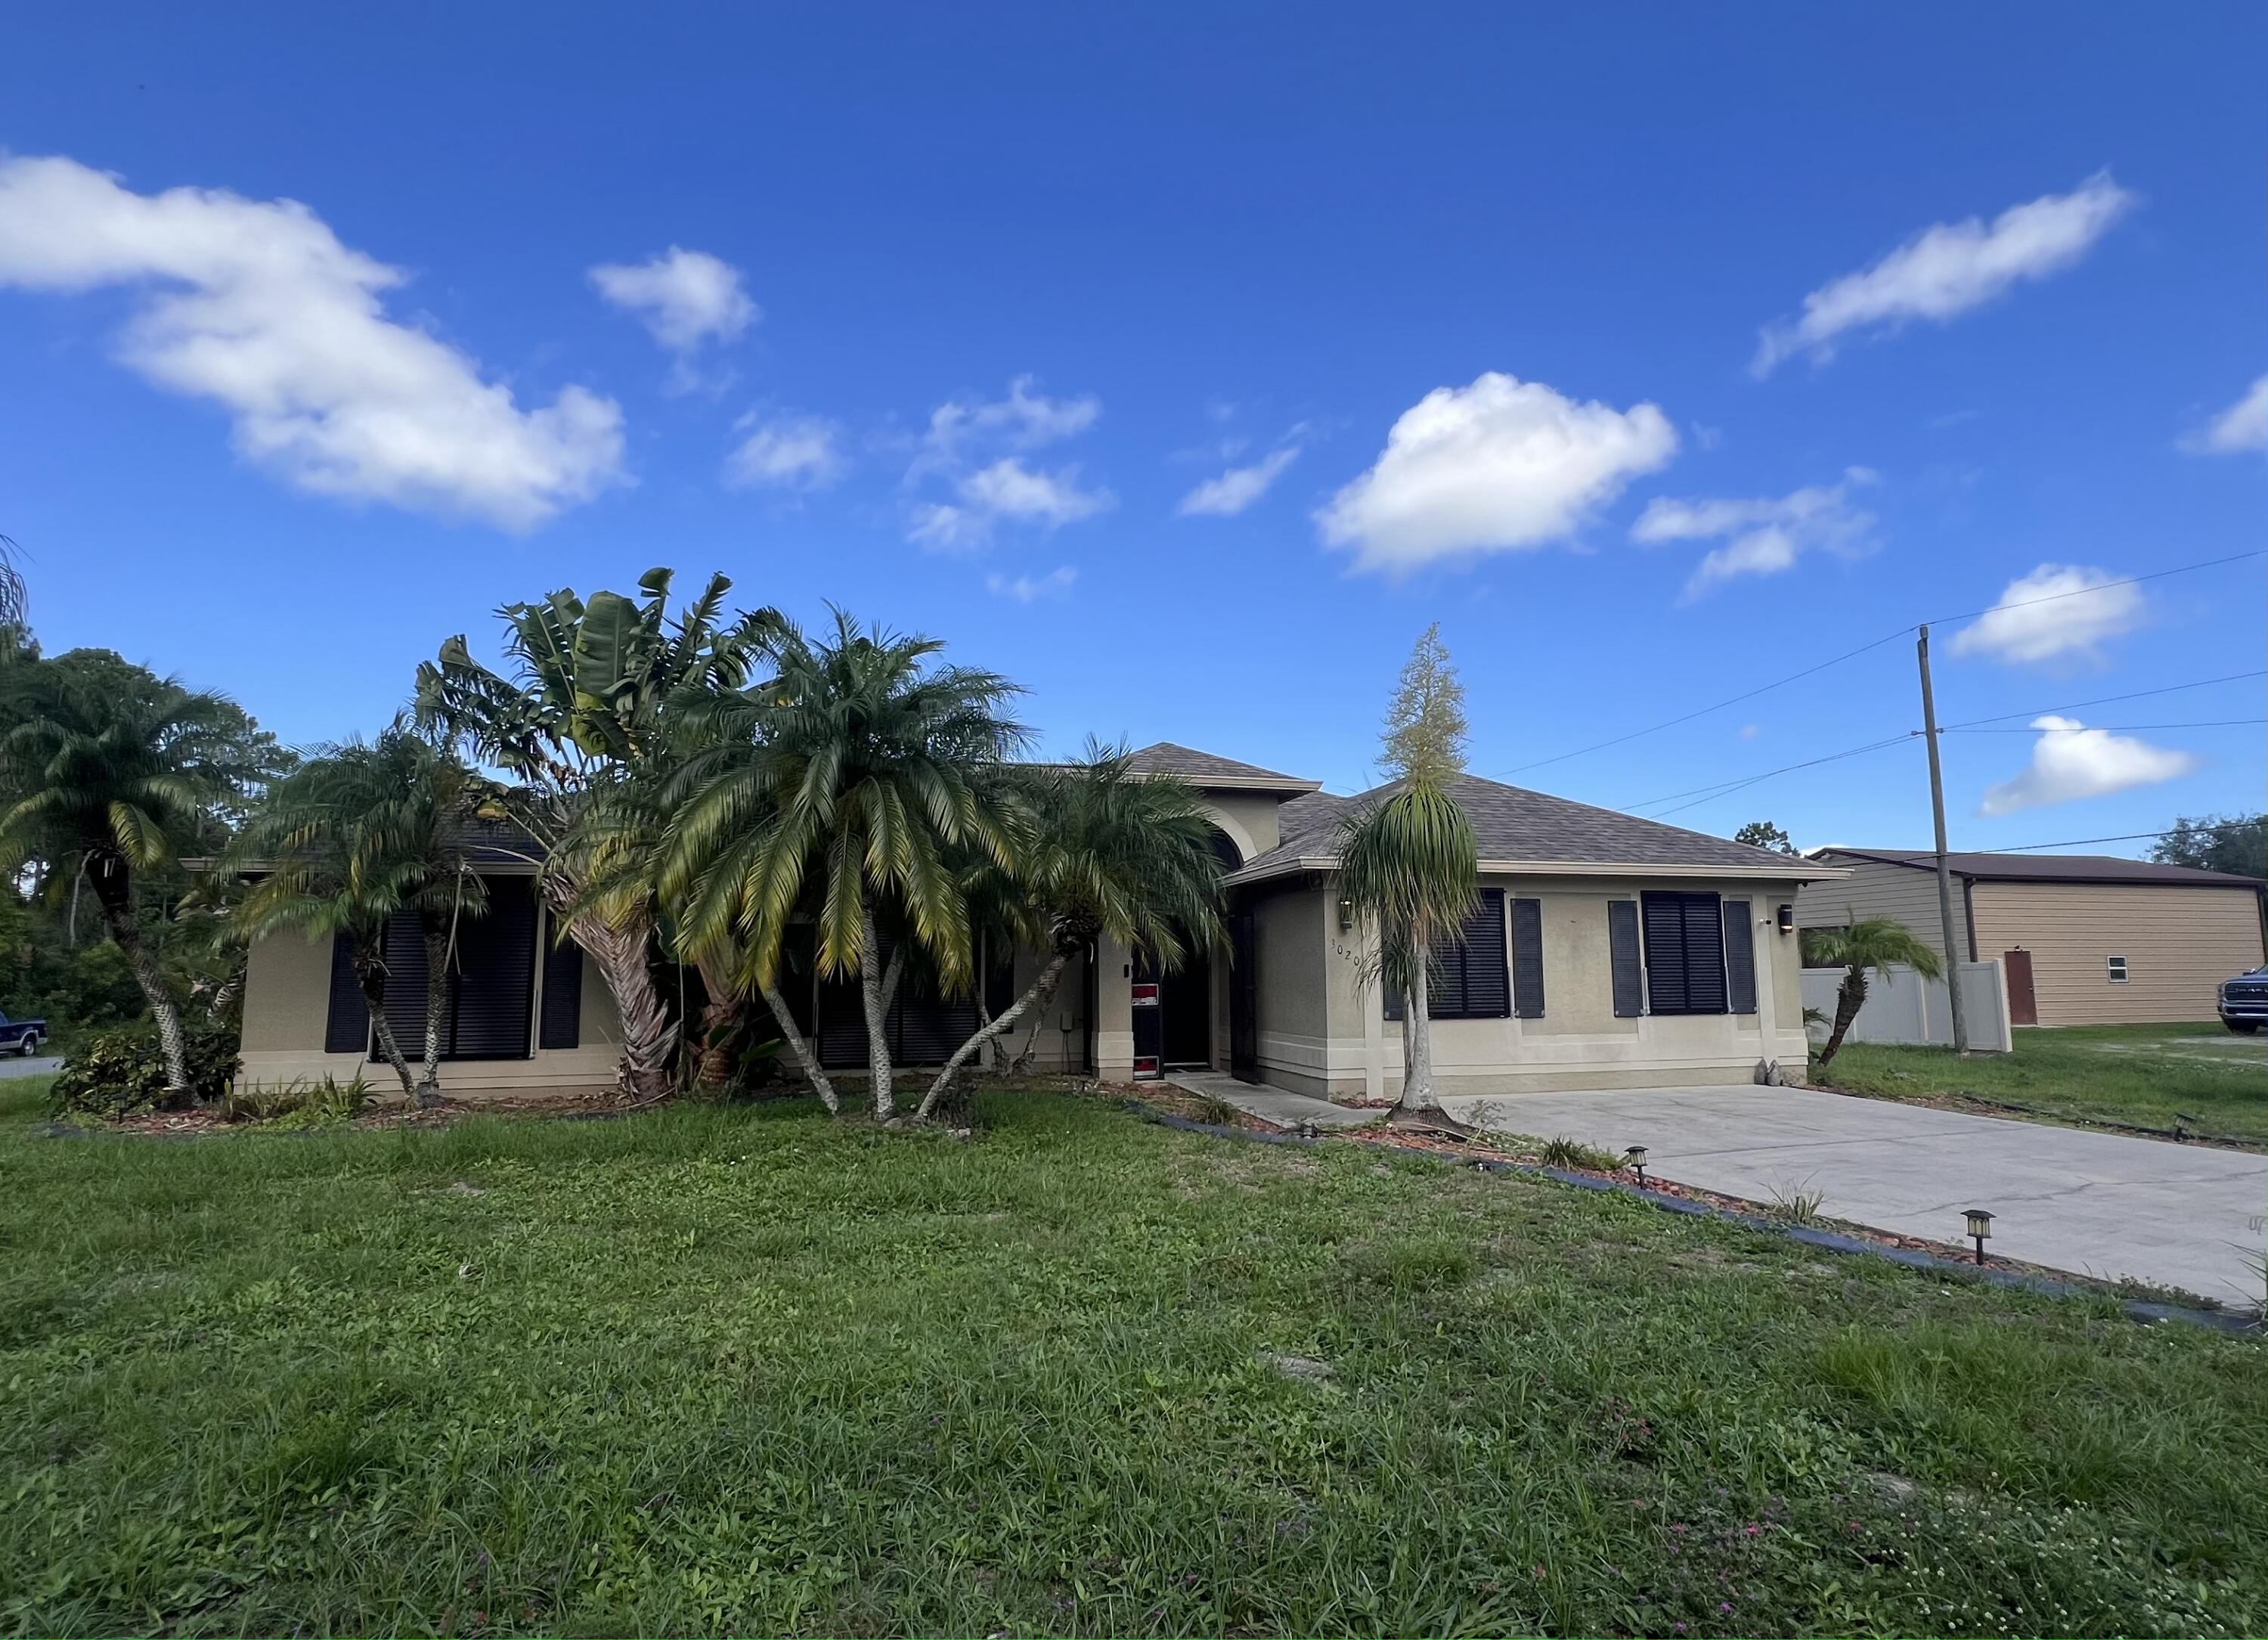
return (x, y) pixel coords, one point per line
(1636, 1157)
(1788, 920)
(1980, 1228)
(1346, 915)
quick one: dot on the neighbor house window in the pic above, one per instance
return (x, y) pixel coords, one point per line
(1468, 979)
(1684, 953)
(2117, 966)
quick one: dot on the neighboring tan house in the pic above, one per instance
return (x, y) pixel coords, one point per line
(1605, 952)
(2084, 939)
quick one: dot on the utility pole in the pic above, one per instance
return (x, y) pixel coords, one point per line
(1952, 954)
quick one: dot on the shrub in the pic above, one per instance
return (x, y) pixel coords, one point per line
(302, 1102)
(120, 1072)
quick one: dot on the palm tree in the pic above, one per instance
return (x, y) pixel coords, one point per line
(1410, 859)
(358, 833)
(1859, 945)
(1107, 850)
(857, 777)
(584, 716)
(103, 783)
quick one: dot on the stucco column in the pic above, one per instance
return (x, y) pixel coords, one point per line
(1113, 1011)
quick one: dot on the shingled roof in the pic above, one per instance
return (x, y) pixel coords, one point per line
(1202, 768)
(1517, 828)
(2051, 868)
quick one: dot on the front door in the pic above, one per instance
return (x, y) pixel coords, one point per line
(2023, 1004)
(1243, 1001)
(1186, 996)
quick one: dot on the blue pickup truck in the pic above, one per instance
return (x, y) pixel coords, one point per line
(23, 1034)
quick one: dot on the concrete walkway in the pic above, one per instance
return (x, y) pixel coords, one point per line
(2098, 1204)
(1270, 1105)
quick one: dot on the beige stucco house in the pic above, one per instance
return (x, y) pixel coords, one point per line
(1607, 952)
(2082, 939)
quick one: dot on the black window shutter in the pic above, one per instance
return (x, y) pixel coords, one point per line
(1704, 955)
(1684, 954)
(1740, 956)
(405, 985)
(1527, 959)
(347, 1027)
(1622, 945)
(494, 971)
(562, 996)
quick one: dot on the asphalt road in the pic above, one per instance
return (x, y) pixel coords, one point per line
(38, 1065)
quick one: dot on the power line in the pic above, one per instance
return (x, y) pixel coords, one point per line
(2080, 592)
(2122, 728)
(1853, 654)
(1727, 788)
(2071, 842)
(2104, 700)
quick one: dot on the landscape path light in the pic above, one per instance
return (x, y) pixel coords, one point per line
(1636, 1157)
(1980, 1228)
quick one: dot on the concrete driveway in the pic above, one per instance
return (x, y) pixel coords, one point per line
(2100, 1204)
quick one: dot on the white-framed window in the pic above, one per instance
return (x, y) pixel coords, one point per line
(2117, 967)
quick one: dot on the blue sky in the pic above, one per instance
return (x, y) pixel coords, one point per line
(1655, 353)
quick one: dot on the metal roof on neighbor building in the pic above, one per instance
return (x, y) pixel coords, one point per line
(1202, 768)
(2049, 867)
(1516, 826)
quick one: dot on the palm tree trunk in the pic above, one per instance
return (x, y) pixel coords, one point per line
(370, 976)
(721, 1021)
(118, 912)
(785, 1017)
(1021, 1061)
(1848, 1001)
(1417, 1043)
(620, 954)
(439, 949)
(874, 985)
(1008, 1016)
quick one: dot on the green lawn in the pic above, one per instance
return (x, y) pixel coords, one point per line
(2133, 1076)
(726, 1369)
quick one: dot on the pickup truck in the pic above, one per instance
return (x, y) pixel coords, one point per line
(23, 1034)
(2244, 1001)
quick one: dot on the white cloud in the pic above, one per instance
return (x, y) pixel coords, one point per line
(2241, 427)
(1027, 588)
(2053, 612)
(2070, 761)
(1005, 489)
(1765, 536)
(1749, 731)
(787, 452)
(962, 432)
(684, 298)
(1949, 269)
(1501, 465)
(259, 307)
(1239, 487)
(1025, 420)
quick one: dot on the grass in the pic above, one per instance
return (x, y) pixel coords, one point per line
(736, 1368)
(2144, 1076)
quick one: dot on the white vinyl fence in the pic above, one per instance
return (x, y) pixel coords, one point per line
(1907, 1009)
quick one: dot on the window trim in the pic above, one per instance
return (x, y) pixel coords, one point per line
(2120, 972)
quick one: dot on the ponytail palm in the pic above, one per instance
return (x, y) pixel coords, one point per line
(1412, 861)
(852, 782)
(1859, 945)
(358, 833)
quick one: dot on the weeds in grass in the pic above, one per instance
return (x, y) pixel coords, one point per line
(1564, 1152)
(736, 1368)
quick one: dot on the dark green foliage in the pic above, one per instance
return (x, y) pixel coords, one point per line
(122, 1071)
(2236, 844)
(1765, 834)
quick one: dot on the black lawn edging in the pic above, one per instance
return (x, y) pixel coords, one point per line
(2143, 1311)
